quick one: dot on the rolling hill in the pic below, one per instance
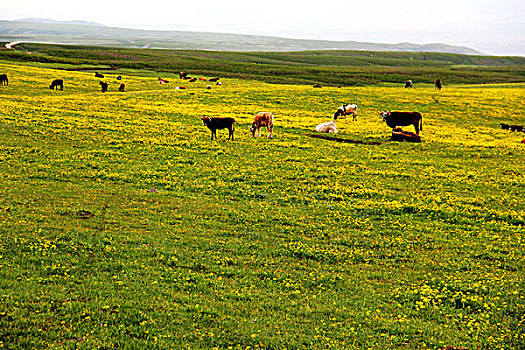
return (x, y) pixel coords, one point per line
(66, 33)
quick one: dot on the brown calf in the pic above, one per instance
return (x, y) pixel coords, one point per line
(262, 119)
(401, 136)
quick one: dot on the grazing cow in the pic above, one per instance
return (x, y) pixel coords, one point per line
(122, 87)
(4, 80)
(163, 81)
(56, 84)
(98, 75)
(262, 119)
(119, 78)
(213, 79)
(219, 123)
(208, 87)
(327, 127)
(218, 83)
(408, 84)
(438, 85)
(344, 110)
(192, 80)
(182, 75)
(395, 119)
(517, 128)
(203, 79)
(104, 86)
(180, 87)
(408, 136)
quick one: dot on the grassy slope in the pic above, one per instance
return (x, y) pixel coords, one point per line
(333, 68)
(287, 243)
(122, 37)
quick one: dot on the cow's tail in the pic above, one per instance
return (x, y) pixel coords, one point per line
(421, 124)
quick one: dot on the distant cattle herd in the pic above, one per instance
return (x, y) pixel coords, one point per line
(393, 119)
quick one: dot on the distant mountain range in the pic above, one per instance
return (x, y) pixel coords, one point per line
(38, 30)
(46, 20)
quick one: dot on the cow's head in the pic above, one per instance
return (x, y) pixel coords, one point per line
(384, 114)
(253, 129)
(205, 120)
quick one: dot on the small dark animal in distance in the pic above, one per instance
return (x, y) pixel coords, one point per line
(4, 80)
(57, 84)
(219, 123)
(119, 78)
(122, 87)
(438, 84)
(213, 79)
(518, 128)
(408, 84)
(192, 80)
(98, 75)
(182, 75)
(317, 86)
(104, 86)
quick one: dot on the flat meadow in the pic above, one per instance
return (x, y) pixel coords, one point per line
(123, 226)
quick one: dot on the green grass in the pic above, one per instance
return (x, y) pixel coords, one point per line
(290, 243)
(330, 68)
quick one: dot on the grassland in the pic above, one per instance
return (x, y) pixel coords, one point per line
(328, 68)
(123, 226)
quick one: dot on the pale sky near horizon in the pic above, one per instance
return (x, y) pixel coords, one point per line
(493, 27)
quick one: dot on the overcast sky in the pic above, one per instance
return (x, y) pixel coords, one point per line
(490, 26)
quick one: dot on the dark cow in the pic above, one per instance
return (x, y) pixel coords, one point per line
(104, 86)
(3, 79)
(163, 81)
(318, 86)
(119, 78)
(395, 119)
(192, 80)
(122, 87)
(219, 123)
(98, 75)
(213, 79)
(182, 75)
(404, 136)
(517, 128)
(56, 84)
(408, 84)
(438, 85)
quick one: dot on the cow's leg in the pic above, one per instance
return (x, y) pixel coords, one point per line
(416, 126)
